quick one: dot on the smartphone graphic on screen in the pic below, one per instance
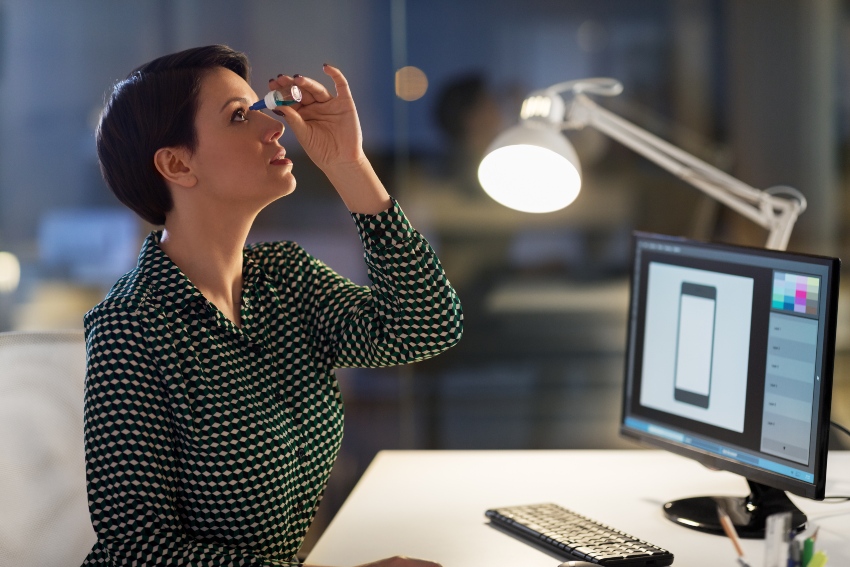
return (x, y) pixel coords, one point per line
(695, 344)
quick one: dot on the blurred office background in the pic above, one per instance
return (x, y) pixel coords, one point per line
(759, 88)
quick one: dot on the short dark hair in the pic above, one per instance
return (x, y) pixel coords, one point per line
(153, 108)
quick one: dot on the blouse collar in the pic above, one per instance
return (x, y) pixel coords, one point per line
(170, 287)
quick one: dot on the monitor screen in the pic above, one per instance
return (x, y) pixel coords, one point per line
(729, 358)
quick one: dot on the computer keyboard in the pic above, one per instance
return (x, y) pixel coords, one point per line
(577, 537)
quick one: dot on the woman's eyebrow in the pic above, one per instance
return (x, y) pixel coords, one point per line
(234, 99)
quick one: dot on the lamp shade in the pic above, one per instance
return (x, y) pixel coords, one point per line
(532, 168)
(10, 272)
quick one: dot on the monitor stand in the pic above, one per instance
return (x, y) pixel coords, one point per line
(748, 514)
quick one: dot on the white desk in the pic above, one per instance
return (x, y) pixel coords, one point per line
(430, 504)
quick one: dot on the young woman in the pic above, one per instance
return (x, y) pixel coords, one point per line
(213, 416)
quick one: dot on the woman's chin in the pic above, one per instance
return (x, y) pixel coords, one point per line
(290, 187)
(285, 185)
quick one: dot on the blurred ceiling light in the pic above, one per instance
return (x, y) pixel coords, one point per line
(411, 83)
(532, 167)
(10, 272)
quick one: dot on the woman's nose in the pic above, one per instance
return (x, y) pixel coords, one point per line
(273, 128)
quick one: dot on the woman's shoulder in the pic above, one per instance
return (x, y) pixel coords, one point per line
(125, 298)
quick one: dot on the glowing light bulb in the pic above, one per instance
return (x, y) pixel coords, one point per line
(530, 169)
(10, 272)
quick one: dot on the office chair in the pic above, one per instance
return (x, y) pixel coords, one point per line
(44, 517)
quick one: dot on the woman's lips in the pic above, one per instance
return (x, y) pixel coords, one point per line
(281, 159)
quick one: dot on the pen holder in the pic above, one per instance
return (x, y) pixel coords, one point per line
(776, 540)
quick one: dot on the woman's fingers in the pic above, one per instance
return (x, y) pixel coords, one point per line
(325, 125)
(283, 83)
(311, 88)
(340, 82)
(292, 117)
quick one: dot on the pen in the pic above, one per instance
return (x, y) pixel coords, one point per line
(808, 550)
(726, 522)
(795, 555)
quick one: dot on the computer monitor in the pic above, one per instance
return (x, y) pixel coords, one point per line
(729, 361)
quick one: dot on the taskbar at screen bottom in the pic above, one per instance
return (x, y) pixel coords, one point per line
(742, 457)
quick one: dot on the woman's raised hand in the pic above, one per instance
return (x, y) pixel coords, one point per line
(328, 129)
(326, 125)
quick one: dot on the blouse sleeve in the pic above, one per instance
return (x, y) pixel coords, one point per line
(409, 313)
(130, 464)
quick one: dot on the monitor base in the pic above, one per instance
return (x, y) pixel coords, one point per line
(749, 514)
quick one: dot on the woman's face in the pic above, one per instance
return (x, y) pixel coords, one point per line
(238, 160)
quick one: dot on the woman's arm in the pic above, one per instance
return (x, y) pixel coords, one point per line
(130, 464)
(409, 313)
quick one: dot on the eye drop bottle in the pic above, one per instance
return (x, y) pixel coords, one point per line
(276, 98)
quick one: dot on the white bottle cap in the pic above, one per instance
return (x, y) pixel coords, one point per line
(273, 99)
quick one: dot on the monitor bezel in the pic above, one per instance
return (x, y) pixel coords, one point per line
(809, 490)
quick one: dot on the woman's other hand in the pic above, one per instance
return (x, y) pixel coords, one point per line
(401, 562)
(326, 125)
(397, 561)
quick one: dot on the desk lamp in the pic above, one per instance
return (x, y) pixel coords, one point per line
(531, 167)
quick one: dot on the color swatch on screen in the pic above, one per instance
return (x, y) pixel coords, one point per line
(792, 292)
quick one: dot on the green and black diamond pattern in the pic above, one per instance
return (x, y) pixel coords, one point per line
(211, 444)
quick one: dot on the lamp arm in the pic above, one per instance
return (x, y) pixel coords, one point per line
(776, 214)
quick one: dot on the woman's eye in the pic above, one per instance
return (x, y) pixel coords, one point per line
(239, 115)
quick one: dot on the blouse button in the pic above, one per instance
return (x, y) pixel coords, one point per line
(256, 349)
(278, 396)
(301, 453)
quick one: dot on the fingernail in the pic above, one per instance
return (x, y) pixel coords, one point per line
(297, 76)
(278, 112)
(326, 64)
(280, 75)
(271, 80)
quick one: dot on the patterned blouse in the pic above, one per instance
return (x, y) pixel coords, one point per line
(211, 444)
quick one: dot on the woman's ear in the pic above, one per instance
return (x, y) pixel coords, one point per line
(173, 165)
